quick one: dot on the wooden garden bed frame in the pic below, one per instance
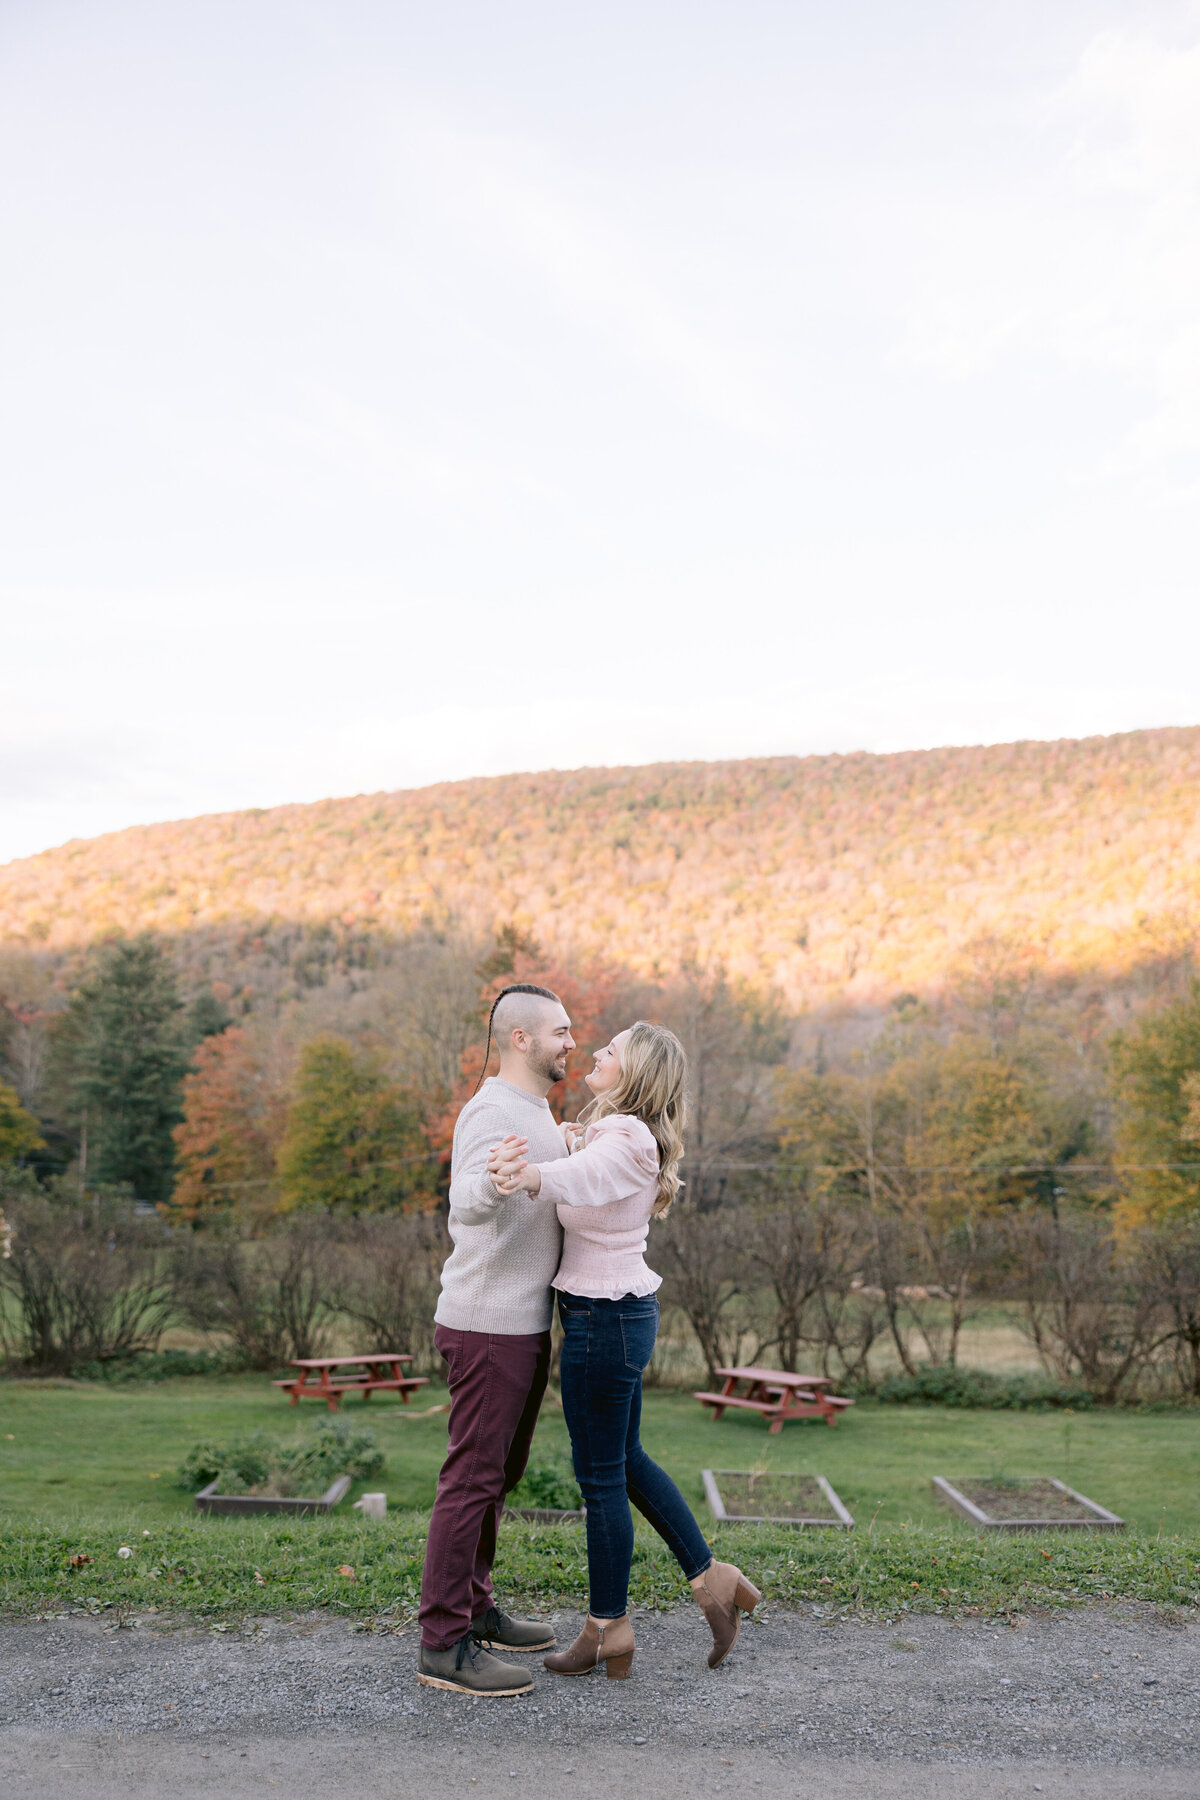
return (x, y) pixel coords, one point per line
(842, 1520)
(1100, 1520)
(208, 1500)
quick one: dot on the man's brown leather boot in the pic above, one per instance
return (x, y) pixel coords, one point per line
(495, 1630)
(610, 1643)
(466, 1668)
(723, 1596)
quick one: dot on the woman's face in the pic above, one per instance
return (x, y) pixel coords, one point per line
(607, 1071)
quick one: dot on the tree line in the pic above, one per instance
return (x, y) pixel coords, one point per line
(858, 1180)
(230, 1106)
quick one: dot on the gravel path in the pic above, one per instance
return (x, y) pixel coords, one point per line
(1073, 1706)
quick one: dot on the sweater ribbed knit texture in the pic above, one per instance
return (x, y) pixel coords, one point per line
(506, 1247)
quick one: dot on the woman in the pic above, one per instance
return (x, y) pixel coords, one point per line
(622, 1174)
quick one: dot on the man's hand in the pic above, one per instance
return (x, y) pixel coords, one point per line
(508, 1170)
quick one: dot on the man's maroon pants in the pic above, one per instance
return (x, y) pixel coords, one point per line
(496, 1388)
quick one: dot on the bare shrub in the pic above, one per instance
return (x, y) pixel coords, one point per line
(272, 1295)
(775, 1280)
(807, 1256)
(705, 1275)
(88, 1279)
(1168, 1264)
(1086, 1305)
(674, 1361)
(785, 1251)
(387, 1280)
(932, 1266)
(851, 1315)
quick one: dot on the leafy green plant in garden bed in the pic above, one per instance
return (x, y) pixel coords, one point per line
(372, 1569)
(255, 1463)
(549, 1484)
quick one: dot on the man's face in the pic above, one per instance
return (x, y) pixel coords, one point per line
(551, 1044)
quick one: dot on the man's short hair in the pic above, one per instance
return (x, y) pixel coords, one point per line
(512, 1018)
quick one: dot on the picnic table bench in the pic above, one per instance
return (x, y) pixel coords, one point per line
(778, 1395)
(380, 1371)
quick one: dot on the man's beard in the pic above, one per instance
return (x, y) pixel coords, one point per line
(550, 1065)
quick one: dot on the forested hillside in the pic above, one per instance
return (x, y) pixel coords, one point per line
(941, 1014)
(822, 876)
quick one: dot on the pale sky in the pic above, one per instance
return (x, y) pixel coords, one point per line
(396, 392)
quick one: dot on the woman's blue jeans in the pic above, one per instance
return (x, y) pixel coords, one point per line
(606, 1345)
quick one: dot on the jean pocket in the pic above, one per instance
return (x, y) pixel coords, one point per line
(638, 1333)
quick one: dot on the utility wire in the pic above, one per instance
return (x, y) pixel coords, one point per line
(722, 1166)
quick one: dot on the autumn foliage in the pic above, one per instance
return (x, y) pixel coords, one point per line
(19, 1134)
(822, 877)
(1156, 1068)
(232, 1120)
(353, 1140)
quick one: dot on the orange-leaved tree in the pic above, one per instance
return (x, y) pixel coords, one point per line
(226, 1144)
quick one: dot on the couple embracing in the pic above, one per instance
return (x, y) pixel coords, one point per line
(536, 1208)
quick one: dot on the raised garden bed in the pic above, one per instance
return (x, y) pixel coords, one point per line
(254, 1473)
(746, 1497)
(208, 1500)
(1036, 1503)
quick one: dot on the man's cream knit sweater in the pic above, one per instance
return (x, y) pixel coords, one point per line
(506, 1246)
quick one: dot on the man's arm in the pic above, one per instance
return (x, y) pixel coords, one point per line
(473, 1199)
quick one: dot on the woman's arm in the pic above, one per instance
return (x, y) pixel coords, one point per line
(619, 1162)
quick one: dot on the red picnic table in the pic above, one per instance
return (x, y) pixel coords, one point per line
(778, 1395)
(324, 1368)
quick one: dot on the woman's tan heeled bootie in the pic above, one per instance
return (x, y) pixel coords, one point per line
(723, 1596)
(610, 1643)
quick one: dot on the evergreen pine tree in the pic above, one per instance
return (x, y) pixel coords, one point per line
(207, 1017)
(129, 1062)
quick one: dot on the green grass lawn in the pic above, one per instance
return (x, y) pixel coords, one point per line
(90, 1450)
(88, 1467)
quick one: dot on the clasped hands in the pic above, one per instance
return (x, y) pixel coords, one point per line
(509, 1171)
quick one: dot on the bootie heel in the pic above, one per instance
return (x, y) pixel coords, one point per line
(747, 1596)
(723, 1596)
(611, 1644)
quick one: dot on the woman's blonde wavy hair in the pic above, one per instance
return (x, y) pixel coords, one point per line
(652, 1086)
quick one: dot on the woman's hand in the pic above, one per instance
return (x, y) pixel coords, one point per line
(571, 1134)
(509, 1171)
(529, 1182)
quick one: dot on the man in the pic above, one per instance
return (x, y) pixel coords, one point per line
(493, 1329)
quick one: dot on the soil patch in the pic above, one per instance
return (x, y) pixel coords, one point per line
(748, 1495)
(1023, 1499)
